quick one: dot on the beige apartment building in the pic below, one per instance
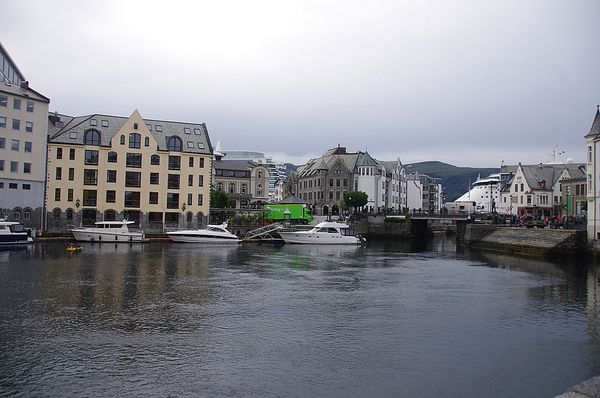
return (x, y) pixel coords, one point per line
(23, 125)
(153, 172)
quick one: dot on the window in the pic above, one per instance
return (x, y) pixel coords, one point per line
(104, 123)
(93, 122)
(200, 180)
(17, 214)
(58, 173)
(27, 146)
(231, 187)
(200, 199)
(56, 214)
(29, 127)
(111, 175)
(331, 182)
(589, 154)
(190, 180)
(190, 144)
(57, 194)
(346, 182)
(174, 162)
(112, 157)
(522, 187)
(29, 106)
(173, 181)
(73, 135)
(147, 141)
(154, 178)
(133, 179)
(153, 198)
(201, 163)
(175, 144)
(70, 195)
(27, 214)
(135, 140)
(16, 103)
(72, 154)
(122, 140)
(2, 142)
(149, 127)
(111, 196)
(13, 185)
(259, 191)
(14, 166)
(135, 126)
(3, 100)
(2, 122)
(197, 131)
(158, 128)
(189, 202)
(155, 160)
(70, 213)
(14, 145)
(90, 177)
(91, 137)
(26, 187)
(90, 197)
(191, 162)
(200, 145)
(187, 130)
(16, 124)
(242, 188)
(91, 157)
(172, 200)
(27, 168)
(134, 160)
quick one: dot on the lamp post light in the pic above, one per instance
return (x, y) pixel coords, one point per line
(77, 204)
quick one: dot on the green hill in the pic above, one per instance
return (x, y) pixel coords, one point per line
(455, 180)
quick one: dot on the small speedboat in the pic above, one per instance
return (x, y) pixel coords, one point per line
(108, 231)
(324, 233)
(14, 233)
(209, 234)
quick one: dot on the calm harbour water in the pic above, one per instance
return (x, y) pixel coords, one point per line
(258, 320)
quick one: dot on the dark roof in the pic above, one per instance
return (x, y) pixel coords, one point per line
(292, 200)
(22, 90)
(61, 126)
(595, 129)
(245, 165)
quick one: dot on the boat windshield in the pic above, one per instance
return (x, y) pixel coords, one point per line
(347, 231)
(17, 228)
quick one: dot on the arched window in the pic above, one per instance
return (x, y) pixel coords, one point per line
(91, 137)
(147, 141)
(231, 187)
(522, 187)
(189, 217)
(155, 160)
(110, 215)
(112, 157)
(175, 144)
(122, 140)
(56, 214)
(27, 213)
(69, 214)
(135, 140)
(259, 190)
(17, 214)
(260, 174)
(200, 217)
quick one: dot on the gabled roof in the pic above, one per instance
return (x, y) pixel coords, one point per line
(292, 200)
(595, 129)
(66, 129)
(550, 173)
(364, 159)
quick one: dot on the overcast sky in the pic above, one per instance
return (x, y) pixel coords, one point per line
(471, 83)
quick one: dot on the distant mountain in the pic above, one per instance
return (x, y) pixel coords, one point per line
(289, 168)
(455, 180)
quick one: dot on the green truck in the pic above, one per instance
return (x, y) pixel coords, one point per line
(298, 213)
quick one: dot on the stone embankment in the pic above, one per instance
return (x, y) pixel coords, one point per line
(588, 389)
(526, 241)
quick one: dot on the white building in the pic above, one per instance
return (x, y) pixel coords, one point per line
(593, 175)
(424, 193)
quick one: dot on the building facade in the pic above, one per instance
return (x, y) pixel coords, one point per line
(424, 193)
(23, 126)
(153, 172)
(593, 175)
(245, 181)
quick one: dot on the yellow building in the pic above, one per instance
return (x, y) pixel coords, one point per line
(23, 126)
(156, 173)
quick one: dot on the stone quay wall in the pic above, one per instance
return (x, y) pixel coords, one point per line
(526, 241)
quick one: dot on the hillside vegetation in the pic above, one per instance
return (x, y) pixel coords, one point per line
(455, 180)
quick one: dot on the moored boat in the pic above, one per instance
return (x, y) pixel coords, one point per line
(324, 233)
(14, 233)
(209, 234)
(109, 231)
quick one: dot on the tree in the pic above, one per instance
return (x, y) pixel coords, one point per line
(355, 199)
(220, 200)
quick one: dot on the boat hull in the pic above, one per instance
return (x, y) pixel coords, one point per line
(317, 238)
(118, 237)
(201, 239)
(15, 239)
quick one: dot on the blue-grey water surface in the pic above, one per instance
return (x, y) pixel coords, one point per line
(386, 320)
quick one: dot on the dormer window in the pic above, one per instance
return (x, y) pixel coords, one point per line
(197, 131)
(91, 137)
(187, 130)
(158, 128)
(104, 123)
(149, 127)
(93, 122)
(73, 135)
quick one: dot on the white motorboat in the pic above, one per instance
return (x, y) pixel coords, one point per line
(14, 233)
(108, 231)
(325, 233)
(209, 234)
